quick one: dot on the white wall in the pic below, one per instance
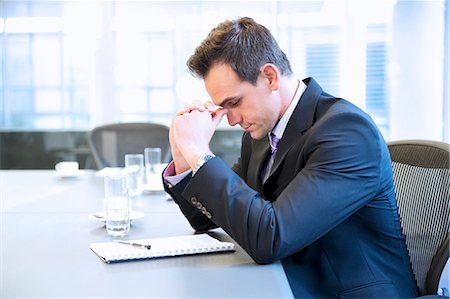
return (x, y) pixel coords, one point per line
(416, 106)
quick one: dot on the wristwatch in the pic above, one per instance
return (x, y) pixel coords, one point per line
(202, 160)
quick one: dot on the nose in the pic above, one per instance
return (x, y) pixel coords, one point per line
(233, 118)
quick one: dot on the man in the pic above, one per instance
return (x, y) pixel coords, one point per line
(323, 203)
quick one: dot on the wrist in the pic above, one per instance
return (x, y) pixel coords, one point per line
(181, 168)
(180, 164)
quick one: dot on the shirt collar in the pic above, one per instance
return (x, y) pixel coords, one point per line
(279, 129)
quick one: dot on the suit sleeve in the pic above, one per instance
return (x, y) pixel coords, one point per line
(196, 219)
(340, 175)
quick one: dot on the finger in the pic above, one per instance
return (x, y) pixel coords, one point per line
(210, 106)
(183, 111)
(219, 110)
(193, 107)
(197, 105)
(218, 115)
(189, 108)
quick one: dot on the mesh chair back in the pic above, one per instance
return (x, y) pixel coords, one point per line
(421, 177)
(110, 143)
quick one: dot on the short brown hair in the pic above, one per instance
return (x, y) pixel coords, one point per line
(244, 45)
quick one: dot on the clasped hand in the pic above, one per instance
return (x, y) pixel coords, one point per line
(191, 131)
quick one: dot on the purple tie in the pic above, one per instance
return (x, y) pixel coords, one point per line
(274, 148)
(274, 144)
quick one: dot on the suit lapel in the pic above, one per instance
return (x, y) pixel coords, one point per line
(260, 154)
(301, 120)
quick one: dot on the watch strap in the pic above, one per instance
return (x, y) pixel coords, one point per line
(202, 160)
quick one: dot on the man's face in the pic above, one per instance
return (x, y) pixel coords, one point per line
(254, 108)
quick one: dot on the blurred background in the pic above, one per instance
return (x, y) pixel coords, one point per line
(68, 66)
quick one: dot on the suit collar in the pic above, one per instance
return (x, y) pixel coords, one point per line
(303, 117)
(301, 120)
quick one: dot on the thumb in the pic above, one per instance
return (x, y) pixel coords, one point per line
(218, 115)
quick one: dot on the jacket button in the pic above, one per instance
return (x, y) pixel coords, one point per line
(204, 210)
(199, 205)
(208, 214)
(194, 200)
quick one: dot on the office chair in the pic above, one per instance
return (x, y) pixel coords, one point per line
(421, 177)
(109, 143)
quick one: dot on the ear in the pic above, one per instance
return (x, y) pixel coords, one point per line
(271, 74)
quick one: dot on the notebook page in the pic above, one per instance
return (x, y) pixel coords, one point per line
(160, 247)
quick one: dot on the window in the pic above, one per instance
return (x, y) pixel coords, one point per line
(322, 63)
(45, 69)
(377, 100)
(376, 97)
(77, 64)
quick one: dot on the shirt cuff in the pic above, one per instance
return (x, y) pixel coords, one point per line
(171, 178)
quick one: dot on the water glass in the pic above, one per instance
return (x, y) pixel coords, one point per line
(152, 164)
(117, 205)
(134, 167)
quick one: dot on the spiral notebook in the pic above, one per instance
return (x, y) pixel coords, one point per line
(120, 251)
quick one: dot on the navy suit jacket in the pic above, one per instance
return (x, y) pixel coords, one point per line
(327, 210)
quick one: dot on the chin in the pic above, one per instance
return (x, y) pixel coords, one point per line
(257, 136)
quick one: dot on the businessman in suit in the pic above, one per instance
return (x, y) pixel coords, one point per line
(313, 186)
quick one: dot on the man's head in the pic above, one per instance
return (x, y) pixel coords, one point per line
(243, 70)
(244, 45)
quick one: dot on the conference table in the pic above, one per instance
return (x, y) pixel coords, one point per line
(46, 227)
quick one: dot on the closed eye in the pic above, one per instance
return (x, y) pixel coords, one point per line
(233, 103)
(230, 102)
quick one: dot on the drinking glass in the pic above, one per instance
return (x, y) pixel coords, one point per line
(117, 205)
(152, 164)
(134, 167)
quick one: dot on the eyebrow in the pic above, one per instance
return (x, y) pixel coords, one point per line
(229, 99)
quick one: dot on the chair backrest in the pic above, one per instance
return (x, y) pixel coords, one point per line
(109, 143)
(421, 177)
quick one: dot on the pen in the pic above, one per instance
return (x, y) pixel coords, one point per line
(142, 246)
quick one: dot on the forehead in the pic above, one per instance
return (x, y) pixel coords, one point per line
(222, 82)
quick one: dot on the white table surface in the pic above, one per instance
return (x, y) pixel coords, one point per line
(45, 232)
